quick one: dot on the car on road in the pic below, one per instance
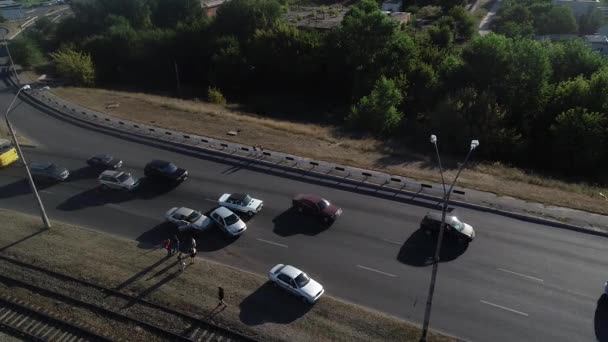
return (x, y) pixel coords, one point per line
(431, 223)
(606, 287)
(48, 172)
(118, 180)
(104, 162)
(242, 203)
(316, 205)
(186, 218)
(228, 221)
(164, 170)
(296, 282)
(8, 154)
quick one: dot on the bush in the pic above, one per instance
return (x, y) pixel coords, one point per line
(214, 95)
(76, 67)
(26, 52)
(378, 112)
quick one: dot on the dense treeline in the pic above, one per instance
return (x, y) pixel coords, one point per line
(533, 104)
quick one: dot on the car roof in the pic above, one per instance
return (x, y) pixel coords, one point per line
(4, 143)
(112, 173)
(158, 162)
(238, 197)
(102, 156)
(223, 211)
(40, 165)
(437, 216)
(291, 271)
(184, 211)
(309, 197)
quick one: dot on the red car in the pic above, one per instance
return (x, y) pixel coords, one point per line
(318, 206)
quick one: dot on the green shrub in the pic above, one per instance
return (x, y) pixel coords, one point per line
(214, 95)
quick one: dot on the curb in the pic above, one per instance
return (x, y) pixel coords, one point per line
(364, 186)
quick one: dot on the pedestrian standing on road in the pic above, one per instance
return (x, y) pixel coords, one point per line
(192, 255)
(182, 263)
(220, 296)
(168, 247)
(176, 244)
(193, 242)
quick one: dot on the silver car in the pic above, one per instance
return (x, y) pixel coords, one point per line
(228, 221)
(118, 180)
(49, 172)
(296, 282)
(186, 218)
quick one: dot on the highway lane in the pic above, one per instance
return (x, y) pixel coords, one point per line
(517, 281)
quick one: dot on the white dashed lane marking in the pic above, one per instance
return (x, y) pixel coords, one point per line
(377, 271)
(504, 308)
(273, 243)
(521, 275)
(392, 241)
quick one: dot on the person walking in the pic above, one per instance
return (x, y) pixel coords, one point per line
(220, 296)
(192, 255)
(168, 247)
(193, 242)
(176, 248)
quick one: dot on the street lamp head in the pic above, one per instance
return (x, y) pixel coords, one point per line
(26, 87)
(474, 144)
(433, 138)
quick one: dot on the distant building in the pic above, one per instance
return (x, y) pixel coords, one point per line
(210, 6)
(597, 42)
(579, 7)
(392, 5)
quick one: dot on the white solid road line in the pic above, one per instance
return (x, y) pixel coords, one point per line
(373, 270)
(504, 308)
(392, 241)
(210, 200)
(273, 243)
(45, 192)
(521, 275)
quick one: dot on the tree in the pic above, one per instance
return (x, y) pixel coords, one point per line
(241, 18)
(168, 13)
(76, 67)
(441, 35)
(378, 112)
(463, 23)
(559, 20)
(591, 21)
(26, 52)
(572, 58)
(580, 142)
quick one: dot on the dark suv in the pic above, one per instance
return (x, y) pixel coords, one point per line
(431, 223)
(164, 170)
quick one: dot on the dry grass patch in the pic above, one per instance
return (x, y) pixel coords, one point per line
(256, 308)
(327, 143)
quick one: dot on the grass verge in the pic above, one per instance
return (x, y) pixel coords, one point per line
(255, 308)
(329, 144)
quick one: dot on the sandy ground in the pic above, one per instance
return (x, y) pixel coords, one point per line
(141, 269)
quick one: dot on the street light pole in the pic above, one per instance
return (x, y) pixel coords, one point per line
(446, 200)
(45, 219)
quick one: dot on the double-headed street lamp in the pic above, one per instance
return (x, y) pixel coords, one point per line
(45, 219)
(446, 200)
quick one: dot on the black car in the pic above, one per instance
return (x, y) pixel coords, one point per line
(104, 161)
(161, 169)
(48, 172)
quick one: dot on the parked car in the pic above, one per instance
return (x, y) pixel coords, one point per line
(431, 223)
(48, 172)
(118, 180)
(606, 287)
(317, 206)
(228, 221)
(241, 202)
(161, 169)
(104, 162)
(186, 218)
(8, 154)
(296, 282)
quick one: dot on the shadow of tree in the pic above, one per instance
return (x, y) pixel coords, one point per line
(419, 249)
(600, 321)
(290, 222)
(271, 304)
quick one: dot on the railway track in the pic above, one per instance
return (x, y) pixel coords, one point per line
(23, 320)
(150, 320)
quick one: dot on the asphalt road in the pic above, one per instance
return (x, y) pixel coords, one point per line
(516, 282)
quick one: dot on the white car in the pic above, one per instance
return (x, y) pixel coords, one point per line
(118, 180)
(186, 218)
(241, 202)
(296, 282)
(228, 221)
(606, 287)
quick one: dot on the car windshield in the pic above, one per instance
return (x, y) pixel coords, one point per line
(169, 168)
(323, 204)
(459, 226)
(193, 217)
(106, 158)
(302, 280)
(247, 199)
(232, 219)
(124, 177)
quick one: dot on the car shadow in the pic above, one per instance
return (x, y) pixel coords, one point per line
(22, 187)
(419, 249)
(94, 197)
(86, 172)
(600, 321)
(155, 237)
(269, 304)
(150, 189)
(290, 222)
(211, 239)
